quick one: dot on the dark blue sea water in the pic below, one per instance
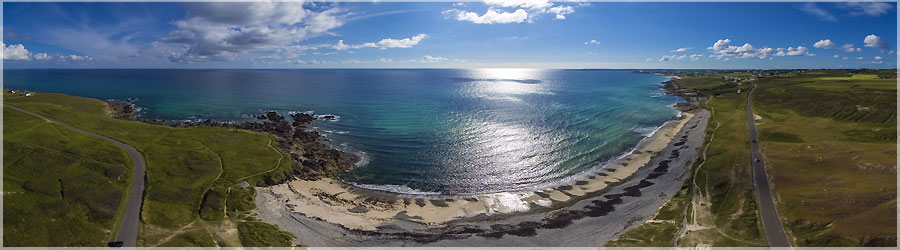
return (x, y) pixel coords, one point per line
(420, 130)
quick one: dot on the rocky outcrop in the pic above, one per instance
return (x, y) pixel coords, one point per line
(313, 158)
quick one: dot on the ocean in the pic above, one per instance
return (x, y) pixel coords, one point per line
(419, 131)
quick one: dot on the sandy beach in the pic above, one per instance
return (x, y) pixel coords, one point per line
(328, 203)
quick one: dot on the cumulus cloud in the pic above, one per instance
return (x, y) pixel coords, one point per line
(561, 11)
(680, 49)
(18, 52)
(723, 49)
(867, 8)
(874, 41)
(836, 56)
(491, 16)
(595, 42)
(511, 11)
(223, 31)
(648, 60)
(429, 58)
(383, 44)
(813, 9)
(791, 51)
(696, 57)
(15, 52)
(877, 58)
(824, 44)
(667, 58)
(860, 58)
(850, 48)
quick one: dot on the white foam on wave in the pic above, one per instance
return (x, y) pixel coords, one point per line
(322, 117)
(308, 112)
(505, 202)
(398, 189)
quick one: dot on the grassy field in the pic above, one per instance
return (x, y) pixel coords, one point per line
(723, 207)
(830, 143)
(834, 168)
(193, 174)
(60, 187)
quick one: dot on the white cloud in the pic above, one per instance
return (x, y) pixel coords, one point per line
(836, 56)
(225, 31)
(682, 57)
(682, 49)
(15, 52)
(878, 58)
(562, 11)
(41, 56)
(849, 48)
(512, 11)
(723, 49)
(824, 44)
(401, 43)
(78, 58)
(429, 58)
(648, 60)
(595, 42)
(813, 9)
(385, 60)
(867, 8)
(491, 16)
(791, 51)
(666, 58)
(696, 57)
(874, 41)
(844, 58)
(860, 58)
(383, 44)
(530, 4)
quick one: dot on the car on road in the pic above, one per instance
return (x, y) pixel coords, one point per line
(755, 159)
(116, 244)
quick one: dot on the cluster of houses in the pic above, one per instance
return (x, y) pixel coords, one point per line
(21, 92)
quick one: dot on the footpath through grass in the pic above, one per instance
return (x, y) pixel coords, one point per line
(193, 174)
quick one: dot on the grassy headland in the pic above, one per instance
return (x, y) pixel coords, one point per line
(192, 196)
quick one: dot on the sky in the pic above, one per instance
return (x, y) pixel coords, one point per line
(488, 33)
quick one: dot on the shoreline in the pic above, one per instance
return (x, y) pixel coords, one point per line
(357, 208)
(569, 220)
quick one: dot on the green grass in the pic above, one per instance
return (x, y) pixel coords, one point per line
(61, 187)
(261, 234)
(835, 177)
(184, 165)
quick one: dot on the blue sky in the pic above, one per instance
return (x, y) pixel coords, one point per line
(492, 33)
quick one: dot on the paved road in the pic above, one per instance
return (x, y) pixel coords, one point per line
(129, 225)
(770, 220)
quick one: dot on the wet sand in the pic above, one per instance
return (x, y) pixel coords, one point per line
(318, 211)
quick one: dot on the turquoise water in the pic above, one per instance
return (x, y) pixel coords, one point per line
(422, 131)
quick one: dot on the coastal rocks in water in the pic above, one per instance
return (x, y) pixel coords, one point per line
(313, 159)
(121, 110)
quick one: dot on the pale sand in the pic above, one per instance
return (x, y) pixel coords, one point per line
(353, 208)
